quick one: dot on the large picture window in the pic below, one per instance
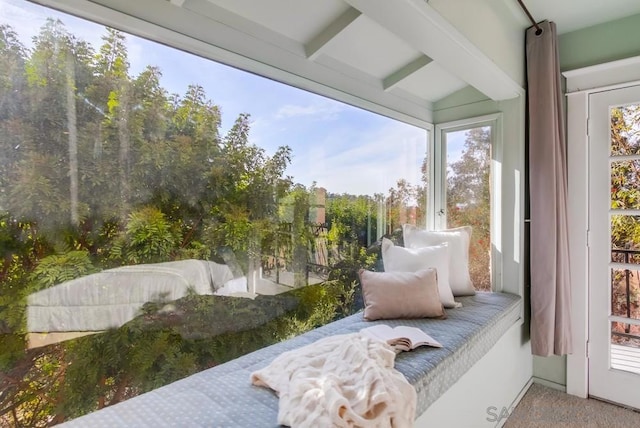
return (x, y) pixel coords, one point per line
(161, 213)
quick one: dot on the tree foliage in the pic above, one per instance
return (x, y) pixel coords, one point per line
(352, 221)
(625, 176)
(469, 201)
(625, 229)
(101, 168)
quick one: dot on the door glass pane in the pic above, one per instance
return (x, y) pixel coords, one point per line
(469, 195)
(625, 130)
(625, 236)
(625, 347)
(625, 293)
(625, 180)
(625, 239)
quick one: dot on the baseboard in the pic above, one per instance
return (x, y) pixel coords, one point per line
(549, 384)
(516, 401)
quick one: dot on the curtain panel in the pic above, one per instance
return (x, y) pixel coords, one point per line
(549, 244)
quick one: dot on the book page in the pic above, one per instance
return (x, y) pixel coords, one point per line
(416, 336)
(401, 336)
(381, 332)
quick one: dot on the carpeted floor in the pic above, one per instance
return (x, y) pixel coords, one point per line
(546, 407)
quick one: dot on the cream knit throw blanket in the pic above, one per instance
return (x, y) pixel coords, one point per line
(340, 381)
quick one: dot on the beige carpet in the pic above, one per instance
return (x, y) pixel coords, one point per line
(546, 407)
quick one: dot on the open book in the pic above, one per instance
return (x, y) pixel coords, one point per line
(402, 338)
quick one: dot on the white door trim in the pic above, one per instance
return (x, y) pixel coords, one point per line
(581, 84)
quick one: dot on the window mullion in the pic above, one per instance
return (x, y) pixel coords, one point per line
(438, 178)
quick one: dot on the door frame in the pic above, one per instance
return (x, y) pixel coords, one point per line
(580, 84)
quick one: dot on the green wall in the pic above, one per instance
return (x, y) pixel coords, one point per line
(465, 103)
(601, 43)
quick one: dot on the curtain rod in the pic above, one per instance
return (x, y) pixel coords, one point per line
(533, 21)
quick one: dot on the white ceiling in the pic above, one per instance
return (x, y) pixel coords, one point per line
(337, 35)
(390, 56)
(355, 37)
(403, 49)
(393, 57)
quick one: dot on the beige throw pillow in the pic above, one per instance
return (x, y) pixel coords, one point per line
(458, 240)
(389, 295)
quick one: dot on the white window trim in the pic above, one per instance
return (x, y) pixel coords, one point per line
(580, 84)
(437, 218)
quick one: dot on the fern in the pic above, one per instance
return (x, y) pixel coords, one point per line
(149, 236)
(58, 268)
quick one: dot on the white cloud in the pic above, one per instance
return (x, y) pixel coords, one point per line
(368, 162)
(322, 110)
(21, 20)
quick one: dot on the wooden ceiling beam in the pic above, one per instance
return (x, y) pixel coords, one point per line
(424, 29)
(315, 46)
(407, 70)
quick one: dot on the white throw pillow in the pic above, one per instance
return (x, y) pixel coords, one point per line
(401, 259)
(458, 240)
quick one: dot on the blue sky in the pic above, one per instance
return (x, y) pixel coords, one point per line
(342, 148)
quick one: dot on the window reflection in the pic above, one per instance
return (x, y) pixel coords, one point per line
(148, 231)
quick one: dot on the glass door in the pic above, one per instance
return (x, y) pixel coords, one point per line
(614, 247)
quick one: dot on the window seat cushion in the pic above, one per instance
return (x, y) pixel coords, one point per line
(224, 396)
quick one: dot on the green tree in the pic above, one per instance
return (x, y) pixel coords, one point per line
(175, 155)
(469, 201)
(352, 222)
(12, 105)
(243, 193)
(111, 94)
(57, 67)
(402, 205)
(12, 83)
(41, 173)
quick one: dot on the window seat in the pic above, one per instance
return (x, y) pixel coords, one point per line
(223, 396)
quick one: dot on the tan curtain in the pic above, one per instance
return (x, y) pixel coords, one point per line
(549, 247)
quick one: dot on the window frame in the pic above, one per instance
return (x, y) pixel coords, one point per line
(437, 217)
(435, 148)
(435, 143)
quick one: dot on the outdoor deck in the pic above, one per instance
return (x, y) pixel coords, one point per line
(625, 358)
